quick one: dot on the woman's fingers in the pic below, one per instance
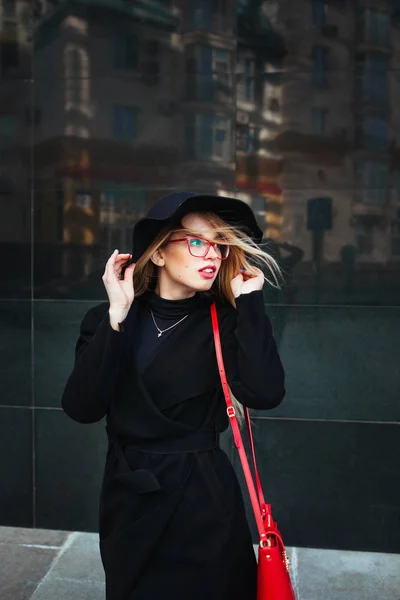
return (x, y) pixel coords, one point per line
(109, 268)
(115, 263)
(128, 275)
(249, 275)
(120, 257)
(119, 266)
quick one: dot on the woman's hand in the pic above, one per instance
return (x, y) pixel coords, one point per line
(245, 282)
(120, 291)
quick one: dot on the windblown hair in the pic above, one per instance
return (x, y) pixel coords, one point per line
(244, 252)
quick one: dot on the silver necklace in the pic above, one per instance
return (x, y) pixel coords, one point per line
(161, 331)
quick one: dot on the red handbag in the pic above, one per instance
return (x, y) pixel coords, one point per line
(273, 579)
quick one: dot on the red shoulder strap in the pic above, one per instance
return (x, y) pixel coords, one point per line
(260, 509)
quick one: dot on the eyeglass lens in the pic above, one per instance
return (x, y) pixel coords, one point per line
(199, 247)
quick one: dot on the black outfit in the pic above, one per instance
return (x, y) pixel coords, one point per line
(172, 520)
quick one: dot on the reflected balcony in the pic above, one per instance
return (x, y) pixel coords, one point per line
(370, 207)
(373, 31)
(210, 18)
(320, 148)
(154, 13)
(215, 89)
(259, 35)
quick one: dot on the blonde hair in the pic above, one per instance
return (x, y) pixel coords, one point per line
(243, 253)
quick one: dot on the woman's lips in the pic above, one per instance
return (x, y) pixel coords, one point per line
(207, 275)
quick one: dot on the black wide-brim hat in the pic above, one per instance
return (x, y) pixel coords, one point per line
(173, 207)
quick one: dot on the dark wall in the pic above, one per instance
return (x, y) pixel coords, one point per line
(292, 106)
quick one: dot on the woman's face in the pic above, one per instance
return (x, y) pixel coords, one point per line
(181, 275)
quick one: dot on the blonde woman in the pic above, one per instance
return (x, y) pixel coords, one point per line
(172, 522)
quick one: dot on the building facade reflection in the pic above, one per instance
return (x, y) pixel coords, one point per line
(15, 159)
(290, 106)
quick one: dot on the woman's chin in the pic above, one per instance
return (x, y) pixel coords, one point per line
(202, 286)
(206, 284)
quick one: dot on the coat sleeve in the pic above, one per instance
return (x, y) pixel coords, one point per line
(93, 380)
(253, 367)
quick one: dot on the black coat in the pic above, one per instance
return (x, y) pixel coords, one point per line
(172, 522)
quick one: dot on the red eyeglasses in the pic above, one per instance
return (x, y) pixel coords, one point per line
(199, 247)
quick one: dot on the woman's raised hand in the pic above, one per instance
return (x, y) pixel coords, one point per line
(120, 291)
(245, 282)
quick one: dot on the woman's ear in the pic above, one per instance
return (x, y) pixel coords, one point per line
(158, 259)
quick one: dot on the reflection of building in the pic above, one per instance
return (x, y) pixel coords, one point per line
(341, 116)
(209, 97)
(101, 159)
(136, 110)
(259, 116)
(249, 98)
(108, 133)
(15, 120)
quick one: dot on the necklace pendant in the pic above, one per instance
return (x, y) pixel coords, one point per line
(160, 334)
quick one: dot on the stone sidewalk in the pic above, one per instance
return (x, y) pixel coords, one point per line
(38, 564)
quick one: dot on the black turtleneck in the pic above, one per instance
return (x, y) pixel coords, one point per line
(166, 314)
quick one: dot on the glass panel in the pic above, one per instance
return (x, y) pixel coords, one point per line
(377, 26)
(318, 11)
(376, 132)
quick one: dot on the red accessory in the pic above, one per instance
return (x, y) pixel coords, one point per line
(202, 251)
(273, 579)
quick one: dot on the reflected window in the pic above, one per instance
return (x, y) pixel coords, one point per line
(222, 65)
(208, 14)
(376, 132)
(246, 80)
(372, 83)
(212, 68)
(150, 60)
(8, 126)
(201, 14)
(318, 120)
(205, 83)
(258, 204)
(9, 57)
(395, 234)
(77, 73)
(125, 122)
(8, 9)
(318, 12)
(319, 65)
(83, 199)
(396, 185)
(376, 25)
(364, 238)
(120, 205)
(274, 105)
(247, 139)
(121, 199)
(372, 181)
(125, 51)
(249, 69)
(209, 136)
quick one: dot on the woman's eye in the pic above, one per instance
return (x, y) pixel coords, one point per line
(196, 242)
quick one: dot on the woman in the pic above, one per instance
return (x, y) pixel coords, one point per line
(172, 522)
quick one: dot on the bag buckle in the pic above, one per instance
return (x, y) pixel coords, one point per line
(231, 412)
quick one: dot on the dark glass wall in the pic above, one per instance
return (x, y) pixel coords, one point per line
(290, 105)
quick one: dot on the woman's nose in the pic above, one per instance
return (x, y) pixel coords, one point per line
(212, 253)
